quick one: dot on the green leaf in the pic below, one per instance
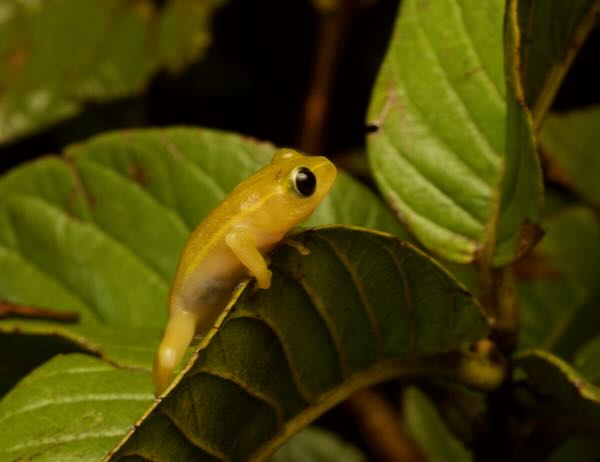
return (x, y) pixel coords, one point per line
(59, 54)
(587, 360)
(316, 445)
(425, 425)
(564, 391)
(553, 31)
(452, 151)
(361, 308)
(558, 289)
(569, 143)
(581, 448)
(74, 407)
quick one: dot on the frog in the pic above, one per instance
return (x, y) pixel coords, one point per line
(234, 241)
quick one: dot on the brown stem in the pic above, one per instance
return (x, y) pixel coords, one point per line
(382, 428)
(333, 27)
(498, 298)
(21, 311)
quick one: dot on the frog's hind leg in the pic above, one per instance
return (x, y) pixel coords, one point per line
(178, 335)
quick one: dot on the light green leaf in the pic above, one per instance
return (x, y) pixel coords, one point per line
(552, 33)
(316, 445)
(74, 407)
(425, 425)
(452, 151)
(282, 357)
(570, 142)
(58, 54)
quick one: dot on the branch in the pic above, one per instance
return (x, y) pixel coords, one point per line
(382, 428)
(8, 309)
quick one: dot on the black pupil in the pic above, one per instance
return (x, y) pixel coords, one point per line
(305, 181)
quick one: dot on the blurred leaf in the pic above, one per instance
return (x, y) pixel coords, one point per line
(451, 152)
(587, 360)
(570, 143)
(553, 32)
(315, 445)
(562, 391)
(581, 448)
(58, 54)
(74, 407)
(282, 357)
(428, 429)
(558, 288)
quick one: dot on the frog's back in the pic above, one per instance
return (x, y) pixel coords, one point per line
(209, 235)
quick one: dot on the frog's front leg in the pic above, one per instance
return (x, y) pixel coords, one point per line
(243, 245)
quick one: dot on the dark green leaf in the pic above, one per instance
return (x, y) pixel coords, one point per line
(570, 143)
(563, 390)
(58, 54)
(587, 360)
(362, 307)
(452, 153)
(581, 448)
(427, 428)
(553, 31)
(558, 288)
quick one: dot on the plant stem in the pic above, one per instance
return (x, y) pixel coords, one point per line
(334, 21)
(382, 428)
(21, 311)
(498, 298)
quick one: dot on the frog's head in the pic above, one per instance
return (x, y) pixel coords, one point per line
(303, 182)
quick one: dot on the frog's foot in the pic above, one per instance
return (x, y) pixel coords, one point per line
(291, 242)
(178, 336)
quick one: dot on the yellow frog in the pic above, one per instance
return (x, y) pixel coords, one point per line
(232, 241)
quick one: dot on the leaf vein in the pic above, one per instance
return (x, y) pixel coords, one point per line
(295, 374)
(362, 296)
(329, 324)
(467, 112)
(202, 445)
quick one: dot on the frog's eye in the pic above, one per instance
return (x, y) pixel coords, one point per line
(303, 181)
